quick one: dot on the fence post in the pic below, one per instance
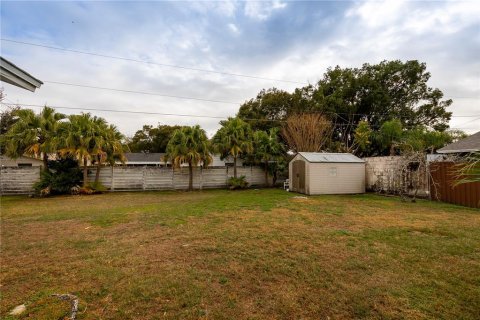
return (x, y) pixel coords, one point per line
(113, 181)
(201, 178)
(144, 179)
(226, 176)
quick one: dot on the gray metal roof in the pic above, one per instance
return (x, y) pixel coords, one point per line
(12, 74)
(331, 157)
(469, 144)
(144, 157)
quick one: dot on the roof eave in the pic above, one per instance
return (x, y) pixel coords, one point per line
(13, 75)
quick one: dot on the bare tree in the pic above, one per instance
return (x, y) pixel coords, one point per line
(307, 132)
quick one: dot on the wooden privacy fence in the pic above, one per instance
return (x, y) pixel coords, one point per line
(156, 178)
(442, 179)
(20, 180)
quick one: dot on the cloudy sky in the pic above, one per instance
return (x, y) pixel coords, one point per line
(290, 41)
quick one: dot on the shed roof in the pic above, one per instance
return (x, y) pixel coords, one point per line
(331, 157)
(144, 157)
(469, 144)
(12, 74)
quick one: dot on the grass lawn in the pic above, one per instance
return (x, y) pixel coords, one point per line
(256, 254)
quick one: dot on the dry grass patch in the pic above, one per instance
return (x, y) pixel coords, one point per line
(257, 254)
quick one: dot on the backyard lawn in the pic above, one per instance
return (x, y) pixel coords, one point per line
(255, 254)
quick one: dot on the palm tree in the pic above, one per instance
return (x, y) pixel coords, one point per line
(111, 147)
(267, 148)
(469, 170)
(189, 145)
(81, 137)
(233, 139)
(33, 134)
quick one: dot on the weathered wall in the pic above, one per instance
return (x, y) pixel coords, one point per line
(382, 175)
(20, 180)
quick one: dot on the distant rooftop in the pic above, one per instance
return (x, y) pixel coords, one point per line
(331, 157)
(469, 144)
(140, 157)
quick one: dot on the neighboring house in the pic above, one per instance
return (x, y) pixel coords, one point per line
(157, 160)
(227, 162)
(13, 75)
(466, 145)
(22, 161)
(144, 159)
(326, 173)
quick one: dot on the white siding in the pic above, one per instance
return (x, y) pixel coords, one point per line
(349, 178)
(9, 162)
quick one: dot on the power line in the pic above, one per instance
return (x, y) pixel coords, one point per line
(196, 115)
(463, 124)
(189, 115)
(205, 100)
(173, 66)
(150, 62)
(123, 111)
(149, 113)
(140, 92)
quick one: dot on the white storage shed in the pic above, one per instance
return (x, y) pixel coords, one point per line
(326, 173)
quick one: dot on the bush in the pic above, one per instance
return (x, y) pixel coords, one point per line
(237, 183)
(98, 187)
(64, 174)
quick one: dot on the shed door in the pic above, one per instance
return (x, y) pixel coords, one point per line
(298, 179)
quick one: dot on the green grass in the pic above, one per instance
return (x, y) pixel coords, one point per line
(254, 254)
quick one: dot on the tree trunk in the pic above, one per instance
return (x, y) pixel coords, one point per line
(45, 161)
(235, 167)
(392, 149)
(190, 178)
(266, 173)
(97, 174)
(85, 173)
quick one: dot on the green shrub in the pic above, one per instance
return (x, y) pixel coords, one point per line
(64, 174)
(98, 187)
(237, 183)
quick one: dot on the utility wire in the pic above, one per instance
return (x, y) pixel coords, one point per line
(197, 116)
(150, 62)
(151, 113)
(124, 111)
(140, 92)
(462, 124)
(187, 115)
(207, 100)
(172, 66)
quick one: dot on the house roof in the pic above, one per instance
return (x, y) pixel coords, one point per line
(12, 74)
(140, 157)
(469, 144)
(331, 157)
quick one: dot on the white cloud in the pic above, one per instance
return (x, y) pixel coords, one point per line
(436, 33)
(233, 28)
(226, 8)
(262, 10)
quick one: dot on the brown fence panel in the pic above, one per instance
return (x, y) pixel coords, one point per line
(442, 188)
